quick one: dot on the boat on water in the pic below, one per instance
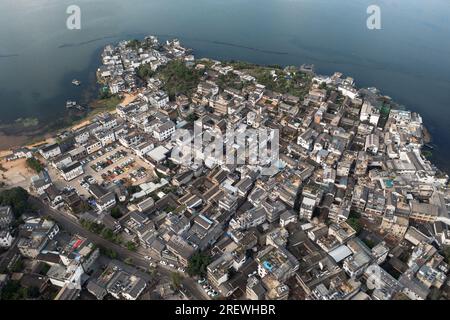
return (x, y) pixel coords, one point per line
(76, 82)
(70, 104)
(74, 105)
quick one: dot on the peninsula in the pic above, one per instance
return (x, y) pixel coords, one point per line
(354, 209)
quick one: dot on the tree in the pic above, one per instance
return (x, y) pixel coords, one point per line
(131, 246)
(446, 253)
(145, 71)
(178, 78)
(33, 292)
(110, 253)
(353, 221)
(230, 80)
(116, 213)
(191, 117)
(176, 279)
(152, 271)
(92, 226)
(370, 243)
(35, 164)
(17, 266)
(105, 93)
(14, 291)
(323, 85)
(133, 189)
(197, 264)
(17, 198)
(134, 44)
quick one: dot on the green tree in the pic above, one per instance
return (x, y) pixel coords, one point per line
(176, 279)
(145, 71)
(178, 78)
(17, 266)
(35, 164)
(354, 221)
(134, 44)
(152, 271)
(116, 213)
(92, 226)
(14, 291)
(446, 253)
(17, 198)
(33, 292)
(104, 93)
(323, 85)
(369, 243)
(191, 117)
(198, 263)
(110, 253)
(131, 246)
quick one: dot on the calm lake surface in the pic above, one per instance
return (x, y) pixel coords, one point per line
(408, 59)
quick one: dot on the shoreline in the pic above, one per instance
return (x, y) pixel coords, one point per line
(46, 133)
(10, 141)
(427, 138)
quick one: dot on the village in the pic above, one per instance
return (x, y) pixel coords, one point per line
(116, 215)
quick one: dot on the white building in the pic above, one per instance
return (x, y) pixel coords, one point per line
(106, 202)
(93, 146)
(72, 171)
(159, 99)
(372, 143)
(50, 151)
(164, 131)
(307, 208)
(348, 91)
(106, 137)
(5, 239)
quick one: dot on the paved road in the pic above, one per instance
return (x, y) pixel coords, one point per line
(71, 225)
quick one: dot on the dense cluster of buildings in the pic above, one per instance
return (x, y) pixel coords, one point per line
(354, 211)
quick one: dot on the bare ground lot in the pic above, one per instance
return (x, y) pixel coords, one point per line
(17, 173)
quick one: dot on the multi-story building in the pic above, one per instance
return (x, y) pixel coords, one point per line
(50, 151)
(72, 171)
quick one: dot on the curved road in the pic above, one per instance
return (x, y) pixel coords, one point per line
(71, 225)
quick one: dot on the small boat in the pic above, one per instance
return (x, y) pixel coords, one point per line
(76, 82)
(70, 104)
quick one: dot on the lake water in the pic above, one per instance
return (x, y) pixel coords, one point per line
(408, 59)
